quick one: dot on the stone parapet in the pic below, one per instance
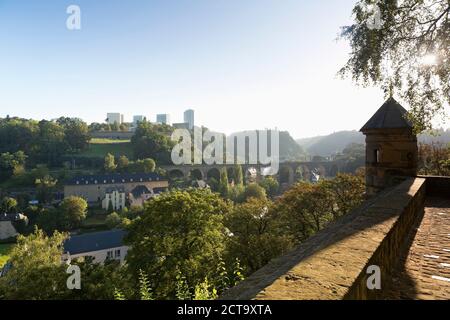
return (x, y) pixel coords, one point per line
(332, 265)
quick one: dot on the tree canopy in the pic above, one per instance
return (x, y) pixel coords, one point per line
(404, 46)
(179, 232)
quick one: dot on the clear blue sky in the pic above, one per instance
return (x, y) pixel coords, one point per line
(241, 64)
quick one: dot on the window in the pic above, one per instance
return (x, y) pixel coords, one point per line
(109, 255)
(117, 253)
(376, 156)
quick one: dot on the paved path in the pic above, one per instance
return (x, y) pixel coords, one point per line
(424, 272)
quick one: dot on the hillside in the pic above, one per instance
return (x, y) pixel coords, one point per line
(99, 148)
(331, 144)
(336, 142)
(290, 150)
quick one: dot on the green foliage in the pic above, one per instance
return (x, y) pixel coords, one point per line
(123, 163)
(307, 208)
(144, 286)
(11, 164)
(238, 273)
(45, 187)
(237, 193)
(253, 190)
(76, 133)
(145, 166)
(354, 157)
(38, 274)
(72, 211)
(182, 291)
(118, 295)
(204, 291)
(44, 141)
(99, 148)
(110, 163)
(238, 176)
(224, 187)
(8, 205)
(392, 55)
(271, 186)
(37, 271)
(222, 279)
(153, 141)
(434, 159)
(5, 250)
(179, 231)
(113, 220)
(99, 281)
(255, 237)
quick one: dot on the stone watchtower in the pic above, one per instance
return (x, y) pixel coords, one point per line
(391, 147)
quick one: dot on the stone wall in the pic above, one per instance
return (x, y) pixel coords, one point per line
(332, 265)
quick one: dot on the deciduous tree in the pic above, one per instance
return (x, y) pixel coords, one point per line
(404, 47)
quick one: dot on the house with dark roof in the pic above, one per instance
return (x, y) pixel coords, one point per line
(101, 246)
(94, 188)
(140, 194)
(391, 147)
(7, 221)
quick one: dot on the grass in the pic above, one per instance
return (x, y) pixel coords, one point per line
(107, 141)
(99, 148)
(94, 221)
(5, 249)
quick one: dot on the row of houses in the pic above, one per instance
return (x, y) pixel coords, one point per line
(114, 191)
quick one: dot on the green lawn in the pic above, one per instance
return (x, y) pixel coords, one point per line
(94, 221)
(4, 251)
(107, 141)
(99, 148)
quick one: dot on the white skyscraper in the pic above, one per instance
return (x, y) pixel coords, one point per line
(112, 118)
(189, 118)
(163, 119)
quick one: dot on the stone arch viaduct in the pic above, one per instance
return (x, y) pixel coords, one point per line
(289, 172)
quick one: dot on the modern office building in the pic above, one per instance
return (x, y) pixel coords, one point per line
(163, 119)
(112, 118)
(137, 120)
(189, 118)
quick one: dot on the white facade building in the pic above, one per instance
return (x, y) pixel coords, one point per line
(112, 118)
(163, 119)
(137, 120)
(100, 246)
(114, 197)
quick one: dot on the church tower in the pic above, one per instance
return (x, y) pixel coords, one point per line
(391, 147)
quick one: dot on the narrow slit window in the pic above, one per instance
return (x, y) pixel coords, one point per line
(377, 157)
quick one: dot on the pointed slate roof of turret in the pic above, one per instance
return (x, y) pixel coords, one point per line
(391, 115)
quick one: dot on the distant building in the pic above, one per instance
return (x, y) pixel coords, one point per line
(163, 119)
(112, 118)
(189, 118)
(140, 194)
(101, 246)
(137, 120)
(114, 199)
(7, 229)
(94, 188)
